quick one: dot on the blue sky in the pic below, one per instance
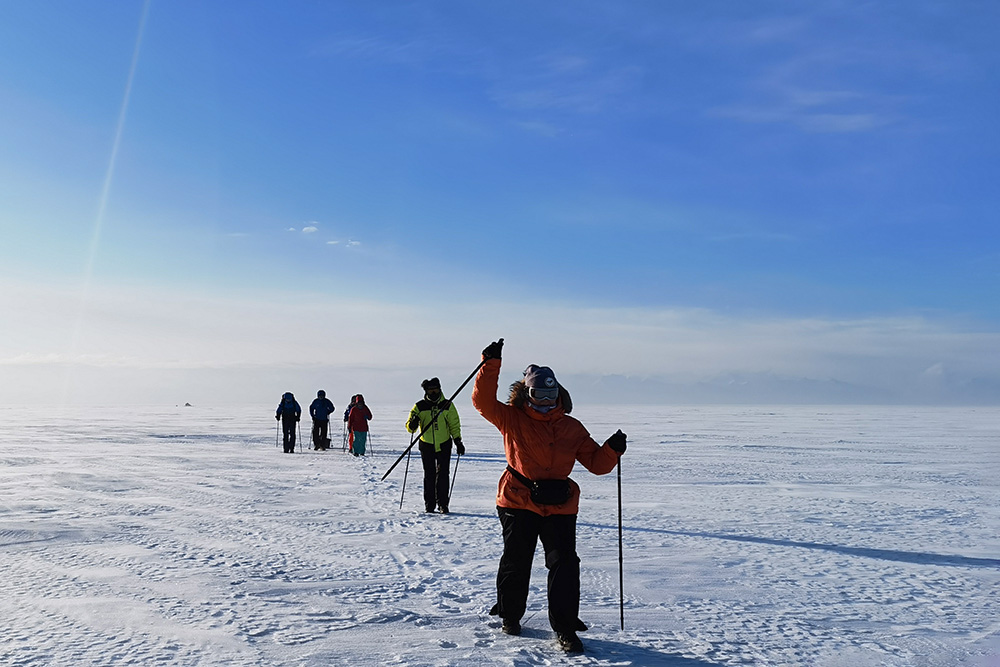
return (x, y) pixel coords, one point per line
(690, 195)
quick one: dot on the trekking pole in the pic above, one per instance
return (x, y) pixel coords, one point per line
(277, 426)
(621, 564)
(406, 471)
(343, 440)
(453, 477)
(371, 446)
(416, 438)
(299, 425)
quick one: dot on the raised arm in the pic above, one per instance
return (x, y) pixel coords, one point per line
(484, 391)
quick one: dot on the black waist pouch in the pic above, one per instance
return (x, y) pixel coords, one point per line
(545, 491)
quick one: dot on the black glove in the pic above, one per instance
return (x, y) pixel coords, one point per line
(459, 447)
(617, 442)
(278, 417)
(493, 350)
(413, 423)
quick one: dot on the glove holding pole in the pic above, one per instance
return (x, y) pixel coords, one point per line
(493, 350)
(617, 442)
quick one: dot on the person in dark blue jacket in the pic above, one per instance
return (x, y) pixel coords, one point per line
(289, 412)
(320, 411)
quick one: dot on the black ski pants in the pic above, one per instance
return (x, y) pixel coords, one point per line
(320, 428)
(436, 474)
(288, 433)
(521, 532)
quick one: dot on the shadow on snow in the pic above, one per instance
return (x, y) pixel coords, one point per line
(918, 558)
(640, 656)
(617, 651)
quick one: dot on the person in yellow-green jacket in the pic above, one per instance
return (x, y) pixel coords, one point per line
(437, 419)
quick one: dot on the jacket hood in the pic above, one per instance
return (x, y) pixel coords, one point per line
(359, 399)
(519, 396)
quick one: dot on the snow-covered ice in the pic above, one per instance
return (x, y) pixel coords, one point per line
(764, 536)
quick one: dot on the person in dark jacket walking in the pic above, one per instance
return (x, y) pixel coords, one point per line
(320, 411)
(357, 422)
(542, 443)
(438, 419)
(289, 412)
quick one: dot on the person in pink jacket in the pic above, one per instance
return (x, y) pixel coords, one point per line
(357, 422)
(536, 499)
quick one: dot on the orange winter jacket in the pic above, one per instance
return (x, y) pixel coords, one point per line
(539, 446)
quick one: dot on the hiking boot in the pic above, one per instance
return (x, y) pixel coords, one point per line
(443, 509)
(569, 642)
(510, 627)
(429, 508)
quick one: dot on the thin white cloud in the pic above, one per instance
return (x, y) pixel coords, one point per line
(805, 116)
(312, 229)
(812, 109)
(824, 87)
(379, 48)
(560, 82)
(753, 235)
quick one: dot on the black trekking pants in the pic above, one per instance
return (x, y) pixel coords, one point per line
(319, 433)
(436, 474)
(288, 433)
(521, 532)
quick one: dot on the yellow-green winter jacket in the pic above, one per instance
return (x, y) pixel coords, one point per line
(445, 427)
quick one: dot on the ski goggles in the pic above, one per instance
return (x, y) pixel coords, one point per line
(543, 393)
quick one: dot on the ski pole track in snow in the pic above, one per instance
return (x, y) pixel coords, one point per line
(791, 536)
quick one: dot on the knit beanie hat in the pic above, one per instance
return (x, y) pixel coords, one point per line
(540, 377)
(433, 383)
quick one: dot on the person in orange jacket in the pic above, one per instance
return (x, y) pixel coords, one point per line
(535, 496)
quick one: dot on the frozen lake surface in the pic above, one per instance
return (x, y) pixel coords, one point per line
(837, 536)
